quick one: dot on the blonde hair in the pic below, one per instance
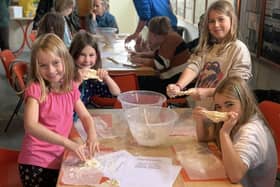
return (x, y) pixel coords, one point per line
(237, 88)
(51, 44)
(206, 39)
(105, 4)
(160, 25)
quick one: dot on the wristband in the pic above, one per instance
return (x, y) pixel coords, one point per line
(179, 86)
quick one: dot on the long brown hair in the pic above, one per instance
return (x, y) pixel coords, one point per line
(52, 22)
(237, 88)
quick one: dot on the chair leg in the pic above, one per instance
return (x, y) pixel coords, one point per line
(20, 101)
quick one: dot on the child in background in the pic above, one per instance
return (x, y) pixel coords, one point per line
(86, 55)
(51, 97)
(219, 54)
(65, 8)
(246, 143)
(100, 16)
(52, 22)
(168, 55)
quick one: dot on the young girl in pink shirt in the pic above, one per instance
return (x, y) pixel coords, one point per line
(51, 98)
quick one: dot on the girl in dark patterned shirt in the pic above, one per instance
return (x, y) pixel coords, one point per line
(84, 50)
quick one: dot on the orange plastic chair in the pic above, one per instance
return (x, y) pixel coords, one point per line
(9, 174)
(126, 82)
(7, 58)
(18, 75)
(271, 112)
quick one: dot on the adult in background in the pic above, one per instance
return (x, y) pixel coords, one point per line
(4, 24)
(100, 16)
(147, 9)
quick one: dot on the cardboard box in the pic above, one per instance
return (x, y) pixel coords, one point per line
(15, 11)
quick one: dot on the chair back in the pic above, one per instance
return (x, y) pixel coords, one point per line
(7, 57)
(126, 82)
(271, 112)
(19, 76)
(9, 174)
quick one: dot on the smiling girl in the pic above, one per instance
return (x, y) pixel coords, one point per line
(51, 97)
(245, 141)
(86, 55)
(219, 54)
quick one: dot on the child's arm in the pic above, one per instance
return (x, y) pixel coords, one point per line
(33, 127)
(75, 136)
(143, 61)
(88, 125)
(203, 132)
(112, 85)
(187, 76)
(234, 166)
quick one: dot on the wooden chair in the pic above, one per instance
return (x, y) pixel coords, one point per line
(18, 75)
(126, 82)
(9, 174)
(271, 112)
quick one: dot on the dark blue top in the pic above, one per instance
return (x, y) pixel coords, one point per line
(93, 87)
(107, 20)
(147, 9)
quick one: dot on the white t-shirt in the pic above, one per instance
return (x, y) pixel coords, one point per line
(257, 150)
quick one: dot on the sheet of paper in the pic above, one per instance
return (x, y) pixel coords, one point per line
(150, 172)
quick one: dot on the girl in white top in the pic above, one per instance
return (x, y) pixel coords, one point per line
(245, 141)
(219, 53)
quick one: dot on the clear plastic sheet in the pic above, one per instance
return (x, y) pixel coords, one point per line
(199, 162)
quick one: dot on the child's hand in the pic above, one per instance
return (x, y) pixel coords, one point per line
(172, 90)
(103, 74)
(197, 114)
(93, 15)
(136, 60)
(230, 123)
(79, 149)
(92, 145)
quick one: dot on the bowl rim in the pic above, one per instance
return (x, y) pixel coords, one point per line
(162, 97)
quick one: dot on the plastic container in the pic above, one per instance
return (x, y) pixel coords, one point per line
(150, 125)
(138, 98)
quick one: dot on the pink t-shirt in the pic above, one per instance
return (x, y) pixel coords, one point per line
(55, 113)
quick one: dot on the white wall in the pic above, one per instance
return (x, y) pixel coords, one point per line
(125, 14)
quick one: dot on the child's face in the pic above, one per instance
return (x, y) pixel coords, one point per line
(68, 11)
(224, 103)
(219, 25)
(87, 58)
(51, 67)
(154, 40)
(98, 7)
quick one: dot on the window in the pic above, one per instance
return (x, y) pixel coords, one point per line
(190, 10)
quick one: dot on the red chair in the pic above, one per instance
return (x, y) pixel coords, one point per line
(9, 174)
(126, 82)
(271, 112)
(7, 58)
(18, 76)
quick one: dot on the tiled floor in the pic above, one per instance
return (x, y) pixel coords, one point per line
(8, 99)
